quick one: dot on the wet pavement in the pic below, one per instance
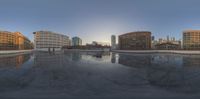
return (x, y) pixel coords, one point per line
(99, 75)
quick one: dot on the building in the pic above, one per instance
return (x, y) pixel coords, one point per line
(140, 40)
(168, 38)
(76, 41)
(14, 41)
(191, 40)
(152, 38)
(70, 42)
(95, 43)
(153, 42)
(47, 40)
(168, 46)
(113, 42)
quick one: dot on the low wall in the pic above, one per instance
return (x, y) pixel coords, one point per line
(14, 51)
(159, 51)
(47, 49)
(84, 50)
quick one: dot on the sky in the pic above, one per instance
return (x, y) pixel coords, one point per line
(97, 20)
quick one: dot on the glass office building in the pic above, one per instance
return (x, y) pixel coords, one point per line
(76, 41)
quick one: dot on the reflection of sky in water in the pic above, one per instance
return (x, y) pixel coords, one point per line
(100, 74)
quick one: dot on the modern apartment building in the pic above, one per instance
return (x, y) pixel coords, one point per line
(47, 40)
(140, 40)
(76, 41)
(14, 41)
(191, 40)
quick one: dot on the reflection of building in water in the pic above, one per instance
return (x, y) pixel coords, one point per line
(72, 56)
(165, 77)
(45, 59)
(113, 58)
(139, 61)
(183, 80)
(100, 54)
(76, 56)
(167, 60)
(175, 73)
(192, 61)
(14, 61)
(165, 71)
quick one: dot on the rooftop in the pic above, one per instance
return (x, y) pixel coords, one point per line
(191, 31)
(136, 32)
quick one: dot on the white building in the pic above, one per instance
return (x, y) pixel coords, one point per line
(47, 40)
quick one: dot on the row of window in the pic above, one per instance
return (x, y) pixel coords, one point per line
(48, 40)
(50, 35)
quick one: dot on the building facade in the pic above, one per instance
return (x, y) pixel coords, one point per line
(140, 40)
(14, 41)
(113, 42)
(191, 40)
(95, 43)
(76, 41)
(168, 46)
(47, 40)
